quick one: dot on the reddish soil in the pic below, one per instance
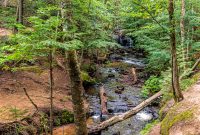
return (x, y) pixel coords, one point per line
(4, 32)
(13, 96)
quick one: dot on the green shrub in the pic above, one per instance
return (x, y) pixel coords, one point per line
(86, 78)
(151, 86)
(148, 127)
(67, 117)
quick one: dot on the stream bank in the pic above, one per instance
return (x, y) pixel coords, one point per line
(122, 93)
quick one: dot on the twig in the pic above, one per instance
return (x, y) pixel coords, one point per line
(30, 99)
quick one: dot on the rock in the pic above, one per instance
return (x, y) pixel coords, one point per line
(111, 75)
(110, 110)
(104, 117)
(121, 88)
(125, 98)
(118, 91)
(117, 133)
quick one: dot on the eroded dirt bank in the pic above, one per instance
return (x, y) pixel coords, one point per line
(184, 117)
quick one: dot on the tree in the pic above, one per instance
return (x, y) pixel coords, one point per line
(20, 11)
(51, 84)
(175, 73)
(77, 93)
(182, 27)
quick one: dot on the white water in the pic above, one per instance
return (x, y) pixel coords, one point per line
(144, 116)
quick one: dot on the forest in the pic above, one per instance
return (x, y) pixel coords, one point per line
(99, 67)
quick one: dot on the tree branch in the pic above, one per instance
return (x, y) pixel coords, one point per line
(36, 107)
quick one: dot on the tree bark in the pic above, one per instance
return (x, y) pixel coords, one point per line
(21, 11)
(103, 97)
(178, 96)
(77, 94)
(182, 27)
(51, 83)
(133, 71)
(128, 114)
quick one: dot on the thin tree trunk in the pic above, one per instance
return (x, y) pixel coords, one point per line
(182, 27)
(178, 96)
(21, 11)
(77, 94)
(51, 89)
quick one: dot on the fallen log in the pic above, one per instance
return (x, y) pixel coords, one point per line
(103, 97)
(128, 114)
(133, 71)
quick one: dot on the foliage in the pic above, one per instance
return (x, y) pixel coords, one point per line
(151, 86)
(86, 78)
(7, 17)
(17, 113)
(148, 127)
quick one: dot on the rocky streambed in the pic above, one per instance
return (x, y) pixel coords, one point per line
(122, 94)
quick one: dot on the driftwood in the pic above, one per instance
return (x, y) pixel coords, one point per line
(133, 71)
(128, 114)
(103, 98)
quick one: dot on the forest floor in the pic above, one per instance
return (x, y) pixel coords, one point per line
(190, 103)
(14, 104)
(4, 32)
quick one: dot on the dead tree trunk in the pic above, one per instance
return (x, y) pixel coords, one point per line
(128, 114)
(133, 71)
(103, 98)
(178, 96)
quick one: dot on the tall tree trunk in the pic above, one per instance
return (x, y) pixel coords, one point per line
(77, 94)
(182, 27)
(21, 11)
(175, 73)
(19, 14)
(51, 84)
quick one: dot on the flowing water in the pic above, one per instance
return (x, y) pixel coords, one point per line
(122, 95)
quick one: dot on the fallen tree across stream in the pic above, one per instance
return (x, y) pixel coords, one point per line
(121, 117)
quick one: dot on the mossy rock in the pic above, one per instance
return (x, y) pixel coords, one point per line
(117, 65)
(174, 117)
(87, 79)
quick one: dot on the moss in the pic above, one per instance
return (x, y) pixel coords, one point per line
(161, 112)
(148, 127)
(86, 78)
(173, 117)
(34, 69)
(117, 65)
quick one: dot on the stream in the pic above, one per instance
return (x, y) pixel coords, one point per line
(122, 94)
